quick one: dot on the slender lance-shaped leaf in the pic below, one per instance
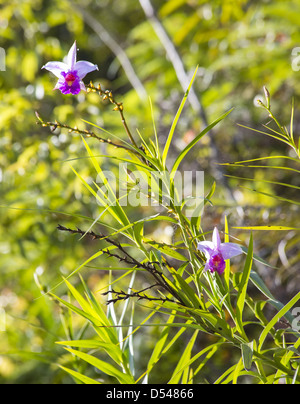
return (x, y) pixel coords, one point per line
(112, 199)
(287, 357)
(111, 349)
(185, 358)
(196, 217)
(263, 181)
(283, 228)
(247, 354)
(262, 158)
(279, 137)
(243, 289)
(237, 371)
(157, 352)
(79, 376)
(103, 366)
(258, 282)
(194, 141)
(93, 257)
(274, 196)
(227, 268)
(154, 129)
(276, 318)
(238, 165)
(174, 123)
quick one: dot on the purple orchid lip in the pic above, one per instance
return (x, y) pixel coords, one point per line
(70, 74)
(216, 252)
(217, 263)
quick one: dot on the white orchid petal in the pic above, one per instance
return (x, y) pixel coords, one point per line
(71, 58)
(216, 238)
(229, 250)
(207, 247)
(82, 86)
(71, 73)
(56, 68)
(83, 68)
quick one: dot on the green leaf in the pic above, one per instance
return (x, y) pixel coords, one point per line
(154, 129)
(106, 333)
(136, 163)
(247, 354)
(160, 343)
(79, 376)
(287, 357)
(170, 6)
(194, 141)
(111, 349)
(103, 201)
(186, 288)
(78, 311)
(136, 150)
(196, 218)
(210, 350)
(83, 303)
(115, 206)
(270, 228)
(94, 256)
(237, 163)
(242, 289)
(283, 184)
(278, 137)
(174, 123)
(219, 325)
(276, 318)
(103, 330)
(237, 371)
(259, 283)
(138, 230)
(227, 268)
(165, 249)
(95, 305)
(183, 361)
(83, 343)
(103, 366)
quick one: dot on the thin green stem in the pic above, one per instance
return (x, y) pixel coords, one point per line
(107, 95)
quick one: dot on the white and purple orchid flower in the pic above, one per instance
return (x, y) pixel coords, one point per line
(216, 252)
(71, 73)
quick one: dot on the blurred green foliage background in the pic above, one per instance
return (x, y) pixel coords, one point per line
(240, 46)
